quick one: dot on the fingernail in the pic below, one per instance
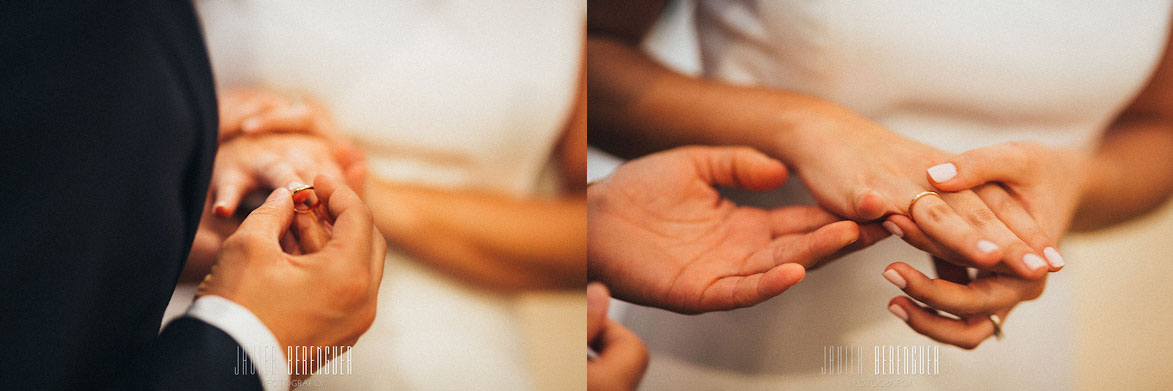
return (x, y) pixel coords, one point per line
(220, 210)
(895, 278)
(942, 172)
(294, 185)
(250, 124)
(1033, 261)
(893, 228)
(986, 246)
(898, 311)
(1053, 256)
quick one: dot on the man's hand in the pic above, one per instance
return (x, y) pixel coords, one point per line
(659, 233)
(325, 297)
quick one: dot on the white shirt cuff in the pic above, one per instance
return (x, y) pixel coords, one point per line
(250, 333)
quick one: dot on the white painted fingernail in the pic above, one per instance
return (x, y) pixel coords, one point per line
(294, 185)
(895, 278)
(987, 246)
(895, 230)
(898, 311)
(1034, 262)
(1053, 256)
(942, 172)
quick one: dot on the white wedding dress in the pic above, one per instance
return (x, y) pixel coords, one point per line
(955, 75)
(462, 95)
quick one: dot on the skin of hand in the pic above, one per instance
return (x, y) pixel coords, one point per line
(248, 112)
(324, 297)
(1046, 182)
(984, 228)
(661, 235)
(854, 167)
(284, 142)
(954, 292)
(250, 163)
(1042, 184)
(459, 231)
(1129, 174)
(622, 357)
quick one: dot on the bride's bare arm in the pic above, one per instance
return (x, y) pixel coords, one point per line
(1132, 172)
(854, 167)
(497, 241)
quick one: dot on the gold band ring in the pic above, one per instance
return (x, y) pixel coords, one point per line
(923, 194)
(293, 195)
(997, 326)
(301, 189)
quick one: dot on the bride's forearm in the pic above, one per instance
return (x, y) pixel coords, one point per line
(638, 106)
(1130, 174)
(495, 241)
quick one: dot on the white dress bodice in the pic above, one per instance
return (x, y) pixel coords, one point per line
(467, 94)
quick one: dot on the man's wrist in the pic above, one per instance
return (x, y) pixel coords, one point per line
(266, 354)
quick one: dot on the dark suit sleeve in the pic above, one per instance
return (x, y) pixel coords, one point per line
(191, 355)
(108, 124)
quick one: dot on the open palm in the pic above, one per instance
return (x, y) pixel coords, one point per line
(661, 235)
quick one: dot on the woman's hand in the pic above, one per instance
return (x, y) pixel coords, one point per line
(622, 358)
(661, 235)
(253, 112)
(973, 301)
(251, 163)
(1046, 182)
(857, 169)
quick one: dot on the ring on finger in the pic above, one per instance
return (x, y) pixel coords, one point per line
(922, 194)
(997, 326)
(305, 208)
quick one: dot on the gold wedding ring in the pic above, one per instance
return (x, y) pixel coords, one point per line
(997, 326)
(302, 188)
(293, 195)
(923, 194)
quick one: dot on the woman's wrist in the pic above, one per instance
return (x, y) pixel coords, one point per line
(802, 128)
(1094, 178)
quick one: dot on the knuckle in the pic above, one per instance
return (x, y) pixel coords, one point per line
(1007, 203)
(1037, 239)
(986, 261)
(937, 213)
(981, 217)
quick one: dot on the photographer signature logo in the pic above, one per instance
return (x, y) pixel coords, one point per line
(299, 360)
(884, 360)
